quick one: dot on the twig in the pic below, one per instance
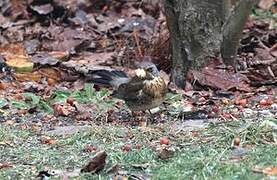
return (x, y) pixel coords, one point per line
(270, 71)
(135, 33)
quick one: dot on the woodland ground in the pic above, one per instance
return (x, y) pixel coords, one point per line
(223, 127)
(202, 149)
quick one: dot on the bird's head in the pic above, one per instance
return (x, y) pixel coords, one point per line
(147, 70)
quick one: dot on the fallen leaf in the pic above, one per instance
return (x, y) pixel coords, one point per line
(9, 122)
(66, 39)
(91, 62)
(273, 50)
(270, 171)
(63, 109)
(19, 63)
(4, 85)
(16, 58)
(29, 76)
(47, 140)
(52, 73)
(60, 55)
(31, 46)
(96, 164)
(165, 152)
(5, 165)
(266, 4)
(221, 79)
(43, 58)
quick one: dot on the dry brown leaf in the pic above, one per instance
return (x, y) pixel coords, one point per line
(266, 4)
(165, 152)
(63, 110)
(4, 85)
(16, 58)
(50, 73)
(270, 171)
(12, 49)
(61, 55)
(96, 164)
(31, 76)
(18, 9)
(19, 63)
(5, 165)
(221, 79)
(9, 122)
(47, 140)
(273, 50)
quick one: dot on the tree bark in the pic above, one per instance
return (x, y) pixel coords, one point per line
(232, 30)
(198, 28)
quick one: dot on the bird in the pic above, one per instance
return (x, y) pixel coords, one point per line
(145, 90)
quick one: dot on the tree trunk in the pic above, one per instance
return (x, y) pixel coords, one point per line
(196, 32)
(232, 31)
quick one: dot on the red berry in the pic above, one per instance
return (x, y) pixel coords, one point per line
(201, 99)
(266, 102)
(138, 146)
(90, 149)
(164, 141)
(70, 101)
(243, 102)
(237, 141)
(127, 148)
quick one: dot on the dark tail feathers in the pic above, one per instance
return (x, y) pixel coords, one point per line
(107, 78)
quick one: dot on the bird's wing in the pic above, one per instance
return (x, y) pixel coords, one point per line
(131, 89)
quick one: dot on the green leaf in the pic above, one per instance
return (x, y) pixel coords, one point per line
(30, 96)
(103, 93)
(61, 96)
(90, 91)
(46, 107)
(19, 105)
(3, 102)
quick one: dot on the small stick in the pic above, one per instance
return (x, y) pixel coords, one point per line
(135, 33)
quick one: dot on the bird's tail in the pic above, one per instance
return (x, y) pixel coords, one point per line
(109, 78)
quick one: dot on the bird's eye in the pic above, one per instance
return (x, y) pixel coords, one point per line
(149, 69)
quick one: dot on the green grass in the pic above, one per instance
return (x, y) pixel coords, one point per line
(85, 96)
(205, 156)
